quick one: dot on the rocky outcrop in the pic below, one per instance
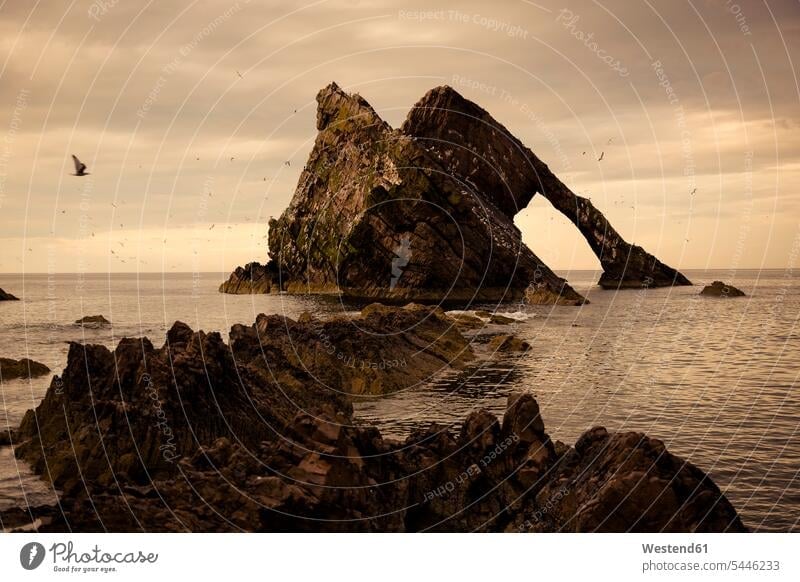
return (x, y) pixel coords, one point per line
(383, 350)
(720, 289)
(24, 368)
(252, 278)
(482, 154)
(321, 473)
(628, 482)
(375, 215)
(93, 321)
(134, 411)
(7, 296)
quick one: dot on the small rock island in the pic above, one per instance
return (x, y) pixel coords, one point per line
(720, 289)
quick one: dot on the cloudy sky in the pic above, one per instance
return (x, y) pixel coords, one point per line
(185, 113)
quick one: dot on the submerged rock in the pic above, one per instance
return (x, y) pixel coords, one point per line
(376, 215)
(508, 343)
(720, 289)
(24, 368)
(498, 319)
(466, 321)
(322, 473)
(7, 296)
(93, 321)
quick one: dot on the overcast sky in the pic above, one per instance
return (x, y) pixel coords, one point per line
(185, 113)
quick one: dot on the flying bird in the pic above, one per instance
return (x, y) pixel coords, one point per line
(80, 167)
(600, 159)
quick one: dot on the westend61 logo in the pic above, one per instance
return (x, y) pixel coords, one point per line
(66, 559)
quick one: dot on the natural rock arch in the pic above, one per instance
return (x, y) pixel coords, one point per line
(494, 161)
(449, 183)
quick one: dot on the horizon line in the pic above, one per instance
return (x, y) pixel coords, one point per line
(556, 270)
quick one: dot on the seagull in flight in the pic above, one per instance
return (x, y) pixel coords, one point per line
(80, 167)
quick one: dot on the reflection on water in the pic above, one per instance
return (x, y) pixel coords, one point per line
(714, 379)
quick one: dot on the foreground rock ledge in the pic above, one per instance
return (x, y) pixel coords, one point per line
(156, 405)
(195, 437)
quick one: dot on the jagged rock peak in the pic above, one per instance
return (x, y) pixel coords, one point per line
(445, 98)
(335, 105)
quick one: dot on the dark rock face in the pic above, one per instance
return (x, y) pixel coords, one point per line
(323, 474)
(629, 482)
(479, 151)
(131, 413)
(7, 296)
(720, 289)
(93, 320)
(375, 215)
(383, 350)
(252, 278)
(24, 368)
(155, 406)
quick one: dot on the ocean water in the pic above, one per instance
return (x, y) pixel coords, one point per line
(715, 379)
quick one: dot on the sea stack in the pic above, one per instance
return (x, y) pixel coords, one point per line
(426, 213)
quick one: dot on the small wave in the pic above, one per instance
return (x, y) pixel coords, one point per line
(480, 313)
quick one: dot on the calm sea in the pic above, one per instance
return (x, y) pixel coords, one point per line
(716, 380)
